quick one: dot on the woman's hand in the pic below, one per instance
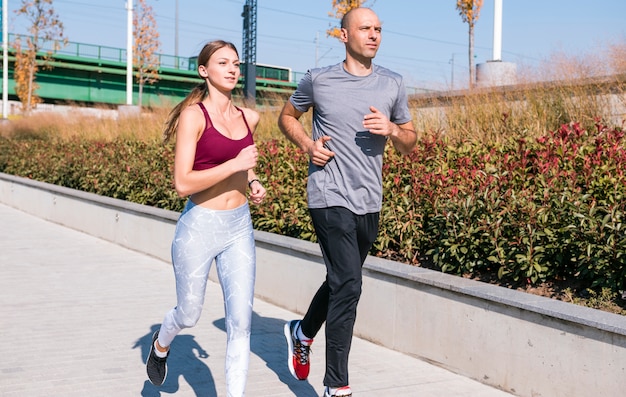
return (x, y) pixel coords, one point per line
(247, 158)
(257, 192)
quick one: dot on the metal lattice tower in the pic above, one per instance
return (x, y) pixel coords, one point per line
(249, 50)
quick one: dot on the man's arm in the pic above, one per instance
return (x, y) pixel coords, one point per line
(404, 137)
(290, 126)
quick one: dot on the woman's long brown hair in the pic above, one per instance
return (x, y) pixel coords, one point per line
(198, 93)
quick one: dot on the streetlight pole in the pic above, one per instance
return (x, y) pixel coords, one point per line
(176, 32)
(129, 53)
(5, 59)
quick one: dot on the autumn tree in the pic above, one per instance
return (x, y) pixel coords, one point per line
(21, 73)
(340, 8)
(146, 46)
(45, 27)
(470, 11)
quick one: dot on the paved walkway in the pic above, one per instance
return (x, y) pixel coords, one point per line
(77, 313)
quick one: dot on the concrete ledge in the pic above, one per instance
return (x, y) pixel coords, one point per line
(525, 344)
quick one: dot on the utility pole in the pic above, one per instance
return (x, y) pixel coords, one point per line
(317, 44)
(249, 51)
(452, 73)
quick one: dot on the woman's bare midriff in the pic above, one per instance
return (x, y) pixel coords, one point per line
(226, 195)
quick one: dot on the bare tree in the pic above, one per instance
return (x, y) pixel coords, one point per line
(617, 57)
(470, 11)
(146, 46)
(340, 8)
(45, 27)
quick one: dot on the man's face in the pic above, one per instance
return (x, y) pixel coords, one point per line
(362, 34)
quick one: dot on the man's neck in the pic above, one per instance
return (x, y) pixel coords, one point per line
(358, 67)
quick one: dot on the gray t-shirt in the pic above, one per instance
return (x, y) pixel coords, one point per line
(353, 178)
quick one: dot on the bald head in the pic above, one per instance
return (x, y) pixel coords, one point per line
(350, 16)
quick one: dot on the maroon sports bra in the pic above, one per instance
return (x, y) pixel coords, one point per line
(213, 148)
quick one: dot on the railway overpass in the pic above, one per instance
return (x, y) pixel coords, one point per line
(96, 75)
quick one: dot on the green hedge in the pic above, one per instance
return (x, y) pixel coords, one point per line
(527, 211)
(124, 169)
(547, 210)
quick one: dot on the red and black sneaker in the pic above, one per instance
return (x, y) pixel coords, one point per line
(298, 351)
(339, 392)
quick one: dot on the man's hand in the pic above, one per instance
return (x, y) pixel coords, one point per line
(402, 136)
(318, 153)
(377, 123)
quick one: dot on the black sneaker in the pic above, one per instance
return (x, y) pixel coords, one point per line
(298, 351)
(155, 365)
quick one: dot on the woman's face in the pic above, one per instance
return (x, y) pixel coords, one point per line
(222, 70)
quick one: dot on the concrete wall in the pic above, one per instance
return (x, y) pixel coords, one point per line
(528, 345)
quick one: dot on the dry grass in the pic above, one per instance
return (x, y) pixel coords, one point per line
(74, 123)
(582, 88)
(107, 125)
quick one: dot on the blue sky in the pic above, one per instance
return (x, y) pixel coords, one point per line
(420, 37)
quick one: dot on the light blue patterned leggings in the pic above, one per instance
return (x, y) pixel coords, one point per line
(227, 236)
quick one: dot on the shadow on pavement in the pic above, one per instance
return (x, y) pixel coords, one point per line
(268, 342)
